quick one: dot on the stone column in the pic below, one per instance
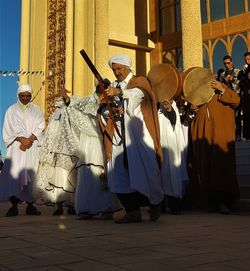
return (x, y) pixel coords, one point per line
(69, 45)
(79, 38)
(191, 34)
(101, 36)
(25, 38)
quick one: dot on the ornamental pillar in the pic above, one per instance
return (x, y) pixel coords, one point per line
(191, 33)
(25, 38)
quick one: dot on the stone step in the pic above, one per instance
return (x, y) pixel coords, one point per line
(244, 180)
(243, 166)
(242, 152)
(245, 192)
(244, 203)
(243, 159)
(243, 169)
(244, 144)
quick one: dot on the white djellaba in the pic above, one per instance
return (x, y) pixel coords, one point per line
(18, 174)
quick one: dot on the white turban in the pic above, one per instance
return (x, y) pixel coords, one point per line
(120, 59)
(24, 88)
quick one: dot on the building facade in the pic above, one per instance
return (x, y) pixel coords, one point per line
(225, 30)
(186, 33)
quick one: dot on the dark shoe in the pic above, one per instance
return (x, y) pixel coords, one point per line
(131, 217)
(223, 209)
(174, 212)
(13, 211)
(84, 217)
(71, 210)
(163, 209)
(212, 209)
(32, 210)
(14, 200)
(155, 212)
(106, 216)
(58, 211)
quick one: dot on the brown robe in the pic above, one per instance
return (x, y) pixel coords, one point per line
(212, 148)
(149, 111)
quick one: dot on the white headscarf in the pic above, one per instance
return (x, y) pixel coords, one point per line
(24, 88)
(120, 59)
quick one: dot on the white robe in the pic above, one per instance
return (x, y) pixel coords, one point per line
(174, 171)
(143, 174)
(91, 196)
(20, 167)
(74, 178)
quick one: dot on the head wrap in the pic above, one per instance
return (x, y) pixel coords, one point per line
(24, 88)
(120, 59)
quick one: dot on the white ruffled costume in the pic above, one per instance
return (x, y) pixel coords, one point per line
(78, 138)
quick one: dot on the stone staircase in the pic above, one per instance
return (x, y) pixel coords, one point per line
(243, 167)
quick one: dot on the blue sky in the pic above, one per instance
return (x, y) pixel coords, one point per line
(10, 27)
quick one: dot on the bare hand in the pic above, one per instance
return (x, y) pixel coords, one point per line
(63, 93)
(217, 85)
(22, 148)
(193, 108)
(167, 105)
(111, 91)
(26, 143)
(118, 110)
(229, 78)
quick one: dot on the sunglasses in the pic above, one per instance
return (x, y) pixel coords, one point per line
(226, 63)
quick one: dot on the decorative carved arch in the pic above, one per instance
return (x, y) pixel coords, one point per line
(216, 41)
(206, 47)
(234, 39)
(239, 35)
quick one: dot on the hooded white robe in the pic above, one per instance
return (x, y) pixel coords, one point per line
(174, 171)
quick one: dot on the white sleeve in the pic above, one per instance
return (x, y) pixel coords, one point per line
(9, 133)
(38, 125)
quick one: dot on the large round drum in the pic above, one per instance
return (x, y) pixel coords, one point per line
(197, 88)
(166, 81)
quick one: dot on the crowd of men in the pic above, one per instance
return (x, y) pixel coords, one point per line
(121, 148)
(238, 80)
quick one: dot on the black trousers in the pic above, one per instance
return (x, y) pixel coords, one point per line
(133, 201)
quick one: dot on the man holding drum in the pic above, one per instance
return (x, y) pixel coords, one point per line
(212, 147)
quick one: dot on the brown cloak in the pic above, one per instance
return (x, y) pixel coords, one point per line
(212, 148)
(149, 111)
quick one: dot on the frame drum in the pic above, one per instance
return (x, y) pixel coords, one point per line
(196, 85)
(166, 81)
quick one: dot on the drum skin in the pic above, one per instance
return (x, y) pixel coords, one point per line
(197, 88)
(166, 81)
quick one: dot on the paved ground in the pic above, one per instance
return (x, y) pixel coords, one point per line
(192, 241)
